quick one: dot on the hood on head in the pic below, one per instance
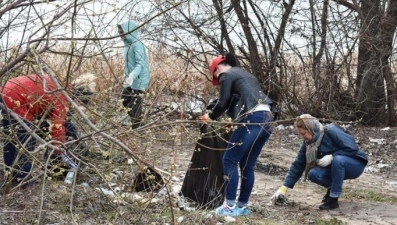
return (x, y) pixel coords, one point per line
(129, 28)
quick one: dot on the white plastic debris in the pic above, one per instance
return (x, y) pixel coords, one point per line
(176, 179)
(208, 216)
(126, 195)
(154, 200)
(280, 127)
(383, 165)
(130, 161)
(392, 183)
(195, 106)
(176, 188)
(229, 219)
(137, 197)
(185, 205)
(85, 184)
(386, 128)
(370, 169)
(106, 192)
(117, 190)
(379, 141)
(180, 219)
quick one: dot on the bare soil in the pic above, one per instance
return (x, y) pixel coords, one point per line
(370, 199)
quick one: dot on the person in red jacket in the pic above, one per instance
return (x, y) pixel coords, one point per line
(32, 97)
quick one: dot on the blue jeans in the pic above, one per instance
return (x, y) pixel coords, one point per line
(244, 147)
(332, 177)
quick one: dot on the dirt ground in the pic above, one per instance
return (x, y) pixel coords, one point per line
(370, 199)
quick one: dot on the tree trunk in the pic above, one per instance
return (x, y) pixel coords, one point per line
(370, 92)
(388, 29)
(253, 54)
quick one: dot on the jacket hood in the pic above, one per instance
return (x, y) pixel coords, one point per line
(129, 28)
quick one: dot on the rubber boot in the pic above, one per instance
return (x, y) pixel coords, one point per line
(331, 203)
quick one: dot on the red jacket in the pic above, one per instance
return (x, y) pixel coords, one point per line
(25, 96)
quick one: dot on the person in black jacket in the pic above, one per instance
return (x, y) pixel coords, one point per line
(243, 100)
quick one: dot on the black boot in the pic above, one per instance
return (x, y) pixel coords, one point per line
(331, 203)
(326, 196)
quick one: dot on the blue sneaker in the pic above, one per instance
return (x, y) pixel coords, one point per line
(243, 211)
(226, 210)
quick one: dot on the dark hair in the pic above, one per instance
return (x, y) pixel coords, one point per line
(230, 59)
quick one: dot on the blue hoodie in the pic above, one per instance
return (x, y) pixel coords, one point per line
(136, 63)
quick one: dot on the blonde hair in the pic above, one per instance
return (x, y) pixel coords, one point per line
(299, 123)
(309, 123)
(86, 81)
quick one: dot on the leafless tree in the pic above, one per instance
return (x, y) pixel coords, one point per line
(334, 59)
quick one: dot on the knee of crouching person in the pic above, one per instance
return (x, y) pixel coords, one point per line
(312, 175)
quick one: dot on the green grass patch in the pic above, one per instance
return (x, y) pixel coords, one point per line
(331, 221)
(369, 195)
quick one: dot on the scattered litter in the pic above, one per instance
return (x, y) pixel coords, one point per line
(208, 216)
(130, 161)
(154, 200)
(85, 184)
(383, 165)
(176, 179)
(392, 183)
(183, 204)
(371, 169)
(346, 125)
(386, 128)
(125, 195)
(229, 219)
(111, 184)
(117, 190)
(137, 197)
(180, 219)
(106, 192)
(280, 127)
(175, 189)
(379, 141)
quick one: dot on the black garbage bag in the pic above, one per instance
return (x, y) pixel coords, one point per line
(203, 182)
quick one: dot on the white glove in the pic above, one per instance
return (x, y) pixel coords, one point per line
(279, 194)
(325, 160)
(128, 82)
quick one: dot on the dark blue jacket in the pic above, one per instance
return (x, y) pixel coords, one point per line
(336, 142)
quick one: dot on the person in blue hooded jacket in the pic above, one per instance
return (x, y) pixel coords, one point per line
(136, 71)
(328, 156)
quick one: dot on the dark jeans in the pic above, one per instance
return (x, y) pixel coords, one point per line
(244, 147)
(332, 177)
(132, 99)
(17, 136)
